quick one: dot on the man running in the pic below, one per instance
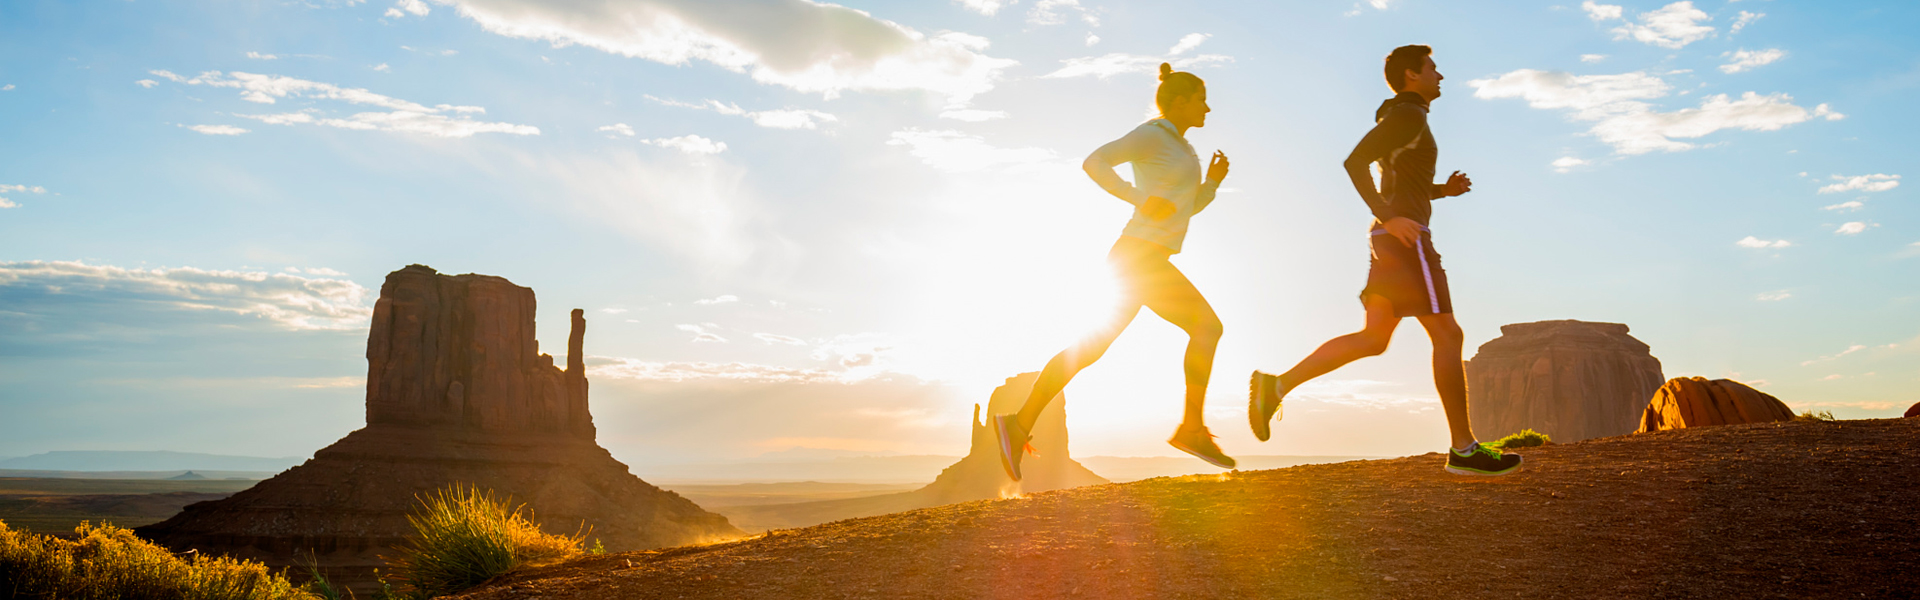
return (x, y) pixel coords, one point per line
(1405, 279)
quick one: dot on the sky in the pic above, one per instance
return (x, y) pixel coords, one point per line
(839, 226)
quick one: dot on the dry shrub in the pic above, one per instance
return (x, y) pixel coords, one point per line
(1526, 437)
(464, 536)
(108, 562)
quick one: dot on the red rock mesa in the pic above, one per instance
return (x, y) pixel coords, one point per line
(1572, 380)
(1697, 402)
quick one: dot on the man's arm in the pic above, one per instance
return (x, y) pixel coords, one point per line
(1398, 129)
(1458, 183)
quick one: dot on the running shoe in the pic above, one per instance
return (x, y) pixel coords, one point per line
(1263, 403)
(1199, 442)
(1013, 443)
(1481, 459)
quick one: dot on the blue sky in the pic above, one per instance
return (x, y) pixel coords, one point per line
(800, 225)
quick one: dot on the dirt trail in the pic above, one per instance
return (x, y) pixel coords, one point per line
(1779, 510)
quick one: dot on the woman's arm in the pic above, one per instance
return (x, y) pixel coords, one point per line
(1099, 166)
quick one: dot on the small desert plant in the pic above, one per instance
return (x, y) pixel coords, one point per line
(464, 536)
(1526, 437)
(108, 562)
(1815, 415)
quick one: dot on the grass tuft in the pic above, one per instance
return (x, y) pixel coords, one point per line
(1815, 415)
(1526, 437)
(107, 562)
(464, 536)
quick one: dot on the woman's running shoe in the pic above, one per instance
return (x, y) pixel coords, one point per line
(1013, 443)
(1199, 442)
(1263, 402)
(1481, 459)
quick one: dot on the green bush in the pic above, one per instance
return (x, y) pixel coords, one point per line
(110, 563)
(464, 536)
(1526, 437)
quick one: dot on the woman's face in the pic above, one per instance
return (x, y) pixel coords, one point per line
(1190, 110)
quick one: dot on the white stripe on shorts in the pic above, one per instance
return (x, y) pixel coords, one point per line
(1432, 298)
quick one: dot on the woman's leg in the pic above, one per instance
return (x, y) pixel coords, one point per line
(1169, 294)
(1069, 362)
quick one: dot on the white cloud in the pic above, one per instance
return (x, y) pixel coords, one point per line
(1672, 26)
(1877, 182)
(259, 56)
(1851, 228)
(1602, 12)
(1567, 163)
(720, 299)
(1092, 39)
(1592, 58)
(702, 333)
(957, 152)
(6, 88)
(620, 128)
(383, 68)
(1754, 242)
(1121, 63)
(146, 83)
(1849, 206)
(1622, 119)
(407, 117)
(985, 7)
(786, 118)
(1189, 42)
(1850, 350)
(779, 339)
(1055, 12)
(217, 129)
(290, 301)
(689, 144)
(1746, 60)
(1743, 20)
(1826, 112)
(281, 118)
(416, 7)
(1774, 296)
(862, 354)
(4, 188)
(5, 203)
(806, 46)
(972, 115)
(599, 367)
(613, 311)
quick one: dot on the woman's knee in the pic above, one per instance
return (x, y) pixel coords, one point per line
(1209, 329)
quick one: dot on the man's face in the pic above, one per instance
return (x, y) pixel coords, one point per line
(1426, 82)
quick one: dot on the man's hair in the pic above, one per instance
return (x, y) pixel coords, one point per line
(1403, 59)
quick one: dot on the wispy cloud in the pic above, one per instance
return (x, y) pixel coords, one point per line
(1566, 164)
(1754, 242)
(771, 338)
(444, 120)
(702, 332)
(1623, 119)
(288, 300)
(1848, 206)
(1055, 12)
(957, 152)
(806, 46)
(785, 118)
(1119, 63)
(1592, 58)
(17, 189)
(1773, 296)
(415, 7)
(1743, 20)
(1850, 350)
(1746, 60)
(1877, 182)
(1602, 12)
(1188, 42)
(985, 7)
(1851, 228)
(1671, 26)
(217, 129)
(689, 144)
(720, 299)
(619, 128)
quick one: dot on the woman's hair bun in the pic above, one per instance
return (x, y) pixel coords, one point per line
(1165, 70)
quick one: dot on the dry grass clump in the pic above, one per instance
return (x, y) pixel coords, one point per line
(464, 536)
(1526, 437)
(110, 563)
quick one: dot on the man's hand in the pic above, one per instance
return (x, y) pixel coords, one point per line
(1158, 208)
(1404, 229)
(1458, 183)
(1217, 171)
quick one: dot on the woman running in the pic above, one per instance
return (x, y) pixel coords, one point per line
(1168, 192)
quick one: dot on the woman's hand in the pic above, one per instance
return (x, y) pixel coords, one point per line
(1217, 171)
(1158, 208)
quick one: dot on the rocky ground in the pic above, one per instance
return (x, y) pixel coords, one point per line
(1777, 510)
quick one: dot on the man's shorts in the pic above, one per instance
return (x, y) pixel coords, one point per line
(1408, 276)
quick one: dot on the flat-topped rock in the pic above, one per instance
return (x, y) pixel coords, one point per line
(1572, 380)
(1698, 402)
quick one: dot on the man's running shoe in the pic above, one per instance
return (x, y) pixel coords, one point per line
(1482, 460)
(1013, 443)
(1263, 403)
(1199, 442)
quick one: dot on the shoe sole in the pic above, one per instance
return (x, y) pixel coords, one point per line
(1262, 428)
(1203, 457)
(1479, 473)
(1006, 451)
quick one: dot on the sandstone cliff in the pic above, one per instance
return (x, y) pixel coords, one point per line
(979, 475)
(1913, 411)
(1697, 402)
(1572, 380)
(456, 393)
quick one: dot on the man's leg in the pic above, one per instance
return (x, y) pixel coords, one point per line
(1369, 341)
(1449, 375)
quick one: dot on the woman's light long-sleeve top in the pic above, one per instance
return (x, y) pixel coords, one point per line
(1164, 165)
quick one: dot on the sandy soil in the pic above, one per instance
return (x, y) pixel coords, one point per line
(1780, 510)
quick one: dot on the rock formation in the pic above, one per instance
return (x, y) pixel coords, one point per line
(980, 476)
(1572, 380)
(457, 393)
(1913, 411)
(1698, 402)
